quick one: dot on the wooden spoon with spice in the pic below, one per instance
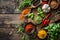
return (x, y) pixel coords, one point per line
(54, 4)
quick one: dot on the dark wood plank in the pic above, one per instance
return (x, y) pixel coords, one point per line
(9, 20)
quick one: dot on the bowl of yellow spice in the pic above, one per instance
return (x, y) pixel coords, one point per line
(42, 34)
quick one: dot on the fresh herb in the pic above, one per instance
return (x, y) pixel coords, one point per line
(31, 15)
(24, 3)
(23, 37)
(37, 19)
(40, 12)
(53, 31)
(20, 28)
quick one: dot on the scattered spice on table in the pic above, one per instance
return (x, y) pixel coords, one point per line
(26, 11)
(21, 17)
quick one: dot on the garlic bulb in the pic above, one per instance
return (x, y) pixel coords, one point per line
(46, 8)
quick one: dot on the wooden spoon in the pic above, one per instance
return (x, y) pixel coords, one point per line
(35, 3)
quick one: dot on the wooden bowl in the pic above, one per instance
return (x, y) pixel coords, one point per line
(55, 6)
(32, 30)
(36, 3)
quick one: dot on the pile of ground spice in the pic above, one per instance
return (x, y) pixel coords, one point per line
(28, 28)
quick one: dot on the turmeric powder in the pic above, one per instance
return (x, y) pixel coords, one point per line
(42, 34)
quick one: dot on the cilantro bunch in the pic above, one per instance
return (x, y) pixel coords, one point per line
(53, 31)
(24, 3)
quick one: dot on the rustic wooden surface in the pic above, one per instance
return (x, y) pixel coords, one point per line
(9, 19)
(8, 24)
(8, 6)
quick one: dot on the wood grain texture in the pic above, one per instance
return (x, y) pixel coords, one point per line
(9, 20)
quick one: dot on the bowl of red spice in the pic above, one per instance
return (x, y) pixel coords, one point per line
(29, 28)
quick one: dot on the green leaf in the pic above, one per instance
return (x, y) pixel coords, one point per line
(20, 29)
(37, 19)
(31, 15)
(39, 9)
(42, 15)
(24, 3)
(23, 37)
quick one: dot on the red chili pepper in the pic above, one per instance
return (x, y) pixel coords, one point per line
(45, 22)
(46, 17)
(43, 3)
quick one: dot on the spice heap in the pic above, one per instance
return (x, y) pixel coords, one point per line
(54, 4)
(36, 23)
(42, 34)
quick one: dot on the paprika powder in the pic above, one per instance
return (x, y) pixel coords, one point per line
(29, 28)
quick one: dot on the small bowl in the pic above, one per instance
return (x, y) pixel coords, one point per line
(36, 3)
(56, 1)
(33, 28)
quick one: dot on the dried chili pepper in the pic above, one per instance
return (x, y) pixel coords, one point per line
(46, 17)
(44, 2)
(45, 21)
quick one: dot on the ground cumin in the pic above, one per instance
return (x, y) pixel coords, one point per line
(53, 4)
